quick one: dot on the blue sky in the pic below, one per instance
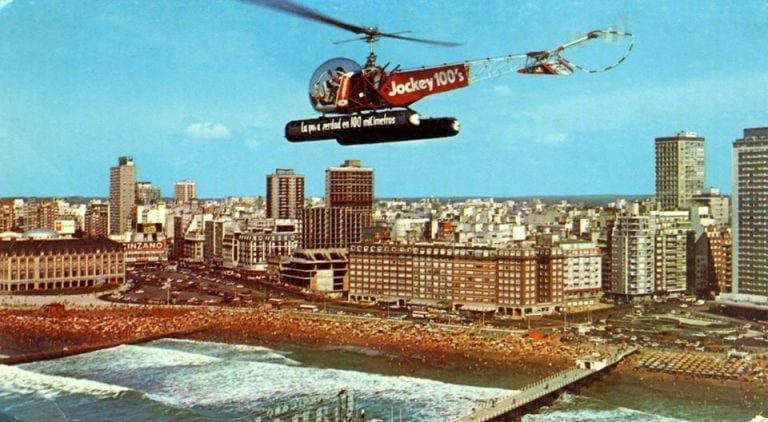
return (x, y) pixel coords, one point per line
(201, 90)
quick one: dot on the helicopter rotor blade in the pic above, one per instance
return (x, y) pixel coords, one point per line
(371, 34)
(421, 40)
(292, 8)
(350, 40)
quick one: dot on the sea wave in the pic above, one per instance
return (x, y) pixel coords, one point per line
(586, 415)
(261, 383)
(123, 358)
(583, 408)
(16, 380)
(233, 380)
(224, 350)
(356, 349)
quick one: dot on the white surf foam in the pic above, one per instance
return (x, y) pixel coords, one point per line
(251, 384)
(225, 350)
(583, 408)
(15, 380)
(122, 358)
(356, 349)
(620, 414)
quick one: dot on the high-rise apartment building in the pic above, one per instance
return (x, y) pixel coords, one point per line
(40, 215)
(7, 215)
(348, 208)
(679, 170)
(184, 191)
(712, 262)
(649, 253)
(146, 194)
(122, 195)
(605, 243)
(719, 205)
(97, 219)
(581, 273)
(750, 216)
(285, 194)
(349, 186)
(671, 230)
(331, 227)
(632, 256)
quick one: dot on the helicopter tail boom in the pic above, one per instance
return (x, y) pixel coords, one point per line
(406, 87)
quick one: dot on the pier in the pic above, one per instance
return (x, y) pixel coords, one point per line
(546, 390)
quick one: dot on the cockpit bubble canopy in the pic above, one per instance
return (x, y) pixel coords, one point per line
(325, 81)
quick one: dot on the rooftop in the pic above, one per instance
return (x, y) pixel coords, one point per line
(37, 247)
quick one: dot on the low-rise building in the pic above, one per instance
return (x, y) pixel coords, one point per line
(52, 264)
(319, 270)
(513, 280)
(258, 246)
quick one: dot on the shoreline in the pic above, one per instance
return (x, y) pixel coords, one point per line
(82, 349)
(30, 335)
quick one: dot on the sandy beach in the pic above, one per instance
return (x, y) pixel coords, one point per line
(37, 334)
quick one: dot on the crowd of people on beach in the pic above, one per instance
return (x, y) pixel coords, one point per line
(34, 331)
(426, 342)
(30, 331)
(38, 331)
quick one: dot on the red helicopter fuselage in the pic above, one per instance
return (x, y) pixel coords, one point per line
(372, 88)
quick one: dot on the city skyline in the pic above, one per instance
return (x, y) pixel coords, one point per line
(202, 91)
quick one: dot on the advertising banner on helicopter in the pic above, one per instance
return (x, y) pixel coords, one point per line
(406, 87)
(347, 125)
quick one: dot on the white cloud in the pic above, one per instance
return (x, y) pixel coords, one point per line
(253, 143)
(4, 3)
(207, 130)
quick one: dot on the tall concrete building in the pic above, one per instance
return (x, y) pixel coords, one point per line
(679, 170)
(349, 186)
(750, 216)
(97, 219)
(7, 215)
(348, 208)
(185, 191)
(712, 262)
(719, 205)
(122, 195)
(632, 256)
(147, 194)
(331, 227)
(285, 194)
(671, 233)
(40, 215)
(581, 273)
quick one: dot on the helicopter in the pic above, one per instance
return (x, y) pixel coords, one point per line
(368, 104)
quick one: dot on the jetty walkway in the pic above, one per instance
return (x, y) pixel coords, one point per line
(542, 391)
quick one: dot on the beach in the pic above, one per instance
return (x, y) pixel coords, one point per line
(36, 332)
(411, 349)
(28, 332)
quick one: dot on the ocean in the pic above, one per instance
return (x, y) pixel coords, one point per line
(176, 379)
